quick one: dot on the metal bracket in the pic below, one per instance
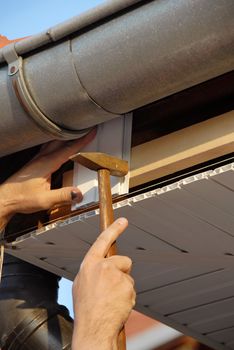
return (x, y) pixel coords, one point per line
(16, 74)
(11, 58)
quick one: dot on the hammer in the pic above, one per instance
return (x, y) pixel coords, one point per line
(105, 165)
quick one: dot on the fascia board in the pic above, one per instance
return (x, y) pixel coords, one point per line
(182, 149)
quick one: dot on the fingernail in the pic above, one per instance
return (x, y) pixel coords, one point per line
(122, 221)
(76, 195)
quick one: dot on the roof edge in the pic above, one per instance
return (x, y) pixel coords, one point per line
(60, 31)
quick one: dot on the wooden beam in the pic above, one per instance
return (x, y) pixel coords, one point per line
(182, 149)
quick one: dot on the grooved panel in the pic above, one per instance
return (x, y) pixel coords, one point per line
(181, 240)
(205, 312)
(204, 288)
(223, 336)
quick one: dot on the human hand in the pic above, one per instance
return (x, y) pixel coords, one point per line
(103, 294)
(28, 190)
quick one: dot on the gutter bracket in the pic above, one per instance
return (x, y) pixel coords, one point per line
(16, 74)
(11, 58)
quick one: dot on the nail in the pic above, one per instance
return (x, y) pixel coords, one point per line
(122, 221)
(76, 195)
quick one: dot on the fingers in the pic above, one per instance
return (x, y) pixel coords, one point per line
(49, 147)
(61, 154)
(107, 238)
(61, 196)
(123, 263)
(52, 156)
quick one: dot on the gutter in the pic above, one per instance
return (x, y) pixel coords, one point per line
(107, 62)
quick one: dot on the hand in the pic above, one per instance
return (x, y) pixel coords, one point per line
(103, 294)
(29, 191)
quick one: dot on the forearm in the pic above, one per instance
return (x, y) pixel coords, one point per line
(87, 344)
(89, 339)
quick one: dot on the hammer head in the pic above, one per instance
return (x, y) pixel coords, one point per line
(97, 161)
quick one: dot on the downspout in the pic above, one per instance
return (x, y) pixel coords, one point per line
(31, 318)
(109, 61)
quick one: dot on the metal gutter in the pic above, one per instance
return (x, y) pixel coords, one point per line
(75, 24)
(109, 61)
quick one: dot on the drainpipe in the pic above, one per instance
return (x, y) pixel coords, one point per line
(109, 61)
(31, 318)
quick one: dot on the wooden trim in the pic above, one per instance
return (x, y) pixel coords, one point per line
(182, 149)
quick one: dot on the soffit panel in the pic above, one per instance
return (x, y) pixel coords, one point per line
(180, 238)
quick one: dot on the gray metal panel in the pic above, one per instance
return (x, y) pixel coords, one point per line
(215, 322)
(208, 214)
(225, 176)
(68, 99)
(203, 288)
(11, 112)
(223, 336)
(183, 223)
(155, 50)
(230, 345)
(208, 311)
(217, 195)
(135, 52)
(192, 291)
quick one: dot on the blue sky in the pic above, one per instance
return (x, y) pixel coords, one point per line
(27, 17)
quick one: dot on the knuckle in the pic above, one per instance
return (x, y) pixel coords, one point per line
(129, 288)
(132, 297)
(133, 301)
(63, 195)
(129, 265)
(129, 260)
(105, 265)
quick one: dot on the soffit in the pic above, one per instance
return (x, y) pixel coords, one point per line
(181, 241)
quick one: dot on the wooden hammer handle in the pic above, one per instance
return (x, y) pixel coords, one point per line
(106, 219)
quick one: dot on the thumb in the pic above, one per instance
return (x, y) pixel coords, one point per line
(63, 196)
